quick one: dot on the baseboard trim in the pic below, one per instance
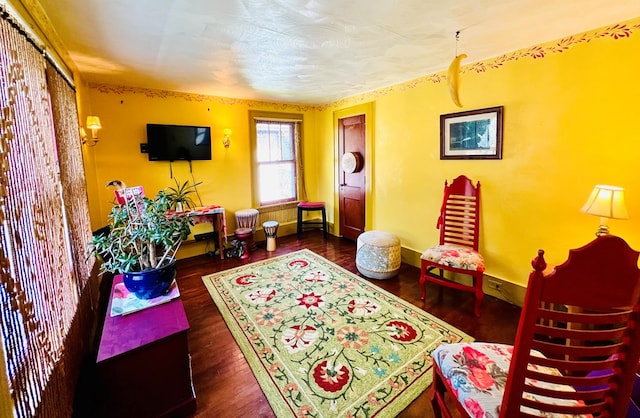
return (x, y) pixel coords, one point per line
(494, 286)
(194, 247)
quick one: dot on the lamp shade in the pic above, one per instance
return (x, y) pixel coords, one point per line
(606, 202)
(93, 122)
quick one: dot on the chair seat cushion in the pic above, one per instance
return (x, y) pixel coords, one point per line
(477, 372)
(455, 256)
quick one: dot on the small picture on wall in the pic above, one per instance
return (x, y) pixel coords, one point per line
(474, 134)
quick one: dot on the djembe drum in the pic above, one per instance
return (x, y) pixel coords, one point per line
(270, 231)
(247, 218)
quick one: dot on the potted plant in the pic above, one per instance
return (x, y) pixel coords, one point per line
(180, 195)
(144, 236)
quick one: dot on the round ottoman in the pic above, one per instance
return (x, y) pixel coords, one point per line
(378, 254)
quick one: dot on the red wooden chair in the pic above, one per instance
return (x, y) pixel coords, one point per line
(580, 318)
(459, 235)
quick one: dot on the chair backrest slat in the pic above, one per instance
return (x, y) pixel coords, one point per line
(558, 409)
(621, 315)
(582, 334)
(580, 318)
(570, 366)
(460, 213)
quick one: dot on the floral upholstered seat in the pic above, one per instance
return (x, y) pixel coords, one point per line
(455, 256)
(478, 372)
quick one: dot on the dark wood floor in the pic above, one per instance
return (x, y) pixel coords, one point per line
(224, 383)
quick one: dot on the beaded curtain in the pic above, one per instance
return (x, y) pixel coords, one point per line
(41, 278)
(72, 176)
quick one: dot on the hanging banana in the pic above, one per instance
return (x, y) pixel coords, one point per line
(453, 78)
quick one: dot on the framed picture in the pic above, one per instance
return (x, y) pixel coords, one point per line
(474, 134)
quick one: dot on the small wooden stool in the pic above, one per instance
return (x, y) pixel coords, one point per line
(270, 231)
(308, 207)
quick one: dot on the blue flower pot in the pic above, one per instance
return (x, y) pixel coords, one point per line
(149, 284)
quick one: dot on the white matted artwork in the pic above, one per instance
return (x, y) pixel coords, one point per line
(474, 134)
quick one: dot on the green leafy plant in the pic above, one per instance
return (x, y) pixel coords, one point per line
(144, 234)
(180, 195)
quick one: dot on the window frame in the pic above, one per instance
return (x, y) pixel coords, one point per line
(262, 116)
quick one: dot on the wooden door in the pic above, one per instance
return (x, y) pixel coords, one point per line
(351, 148)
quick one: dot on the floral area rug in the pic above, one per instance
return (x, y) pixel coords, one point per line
(323, 342)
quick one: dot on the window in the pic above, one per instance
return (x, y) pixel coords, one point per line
(275, 139)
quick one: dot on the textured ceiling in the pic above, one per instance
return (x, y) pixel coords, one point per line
(312, 51)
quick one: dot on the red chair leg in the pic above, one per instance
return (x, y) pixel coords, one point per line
(477, 284)
(441, 289)
(438, 391)
(423, 279)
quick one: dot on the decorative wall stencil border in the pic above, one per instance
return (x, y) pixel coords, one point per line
(192, 97)
(375, 94)
(614, 32)
(281, 106)
(154, 93)
(618, 31)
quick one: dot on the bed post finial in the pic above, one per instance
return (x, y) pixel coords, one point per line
(538, 263)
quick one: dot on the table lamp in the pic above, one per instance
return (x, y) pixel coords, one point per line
(607, 202)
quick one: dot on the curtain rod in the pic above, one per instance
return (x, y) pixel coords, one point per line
(41, 49)
(275, 120)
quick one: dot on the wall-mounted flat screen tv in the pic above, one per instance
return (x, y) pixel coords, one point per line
(178, 142)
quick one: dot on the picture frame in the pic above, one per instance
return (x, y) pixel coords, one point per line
(472, 135)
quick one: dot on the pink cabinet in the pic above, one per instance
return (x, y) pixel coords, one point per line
(143, 362)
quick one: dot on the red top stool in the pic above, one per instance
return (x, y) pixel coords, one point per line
(310, 207)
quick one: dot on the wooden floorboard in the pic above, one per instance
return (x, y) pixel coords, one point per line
(224, 383)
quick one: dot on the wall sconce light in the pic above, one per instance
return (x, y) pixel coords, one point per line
(227, 138)
(607, 202)
(93, 123)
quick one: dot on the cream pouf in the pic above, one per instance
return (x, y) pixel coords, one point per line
(378, 254)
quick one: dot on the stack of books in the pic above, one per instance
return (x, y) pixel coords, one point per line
(124, 302)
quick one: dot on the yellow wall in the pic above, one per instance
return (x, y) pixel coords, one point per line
(569, 123)
(226, 179)
(83, 101)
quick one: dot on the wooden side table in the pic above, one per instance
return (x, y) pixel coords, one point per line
(216, 216)
(143, 362)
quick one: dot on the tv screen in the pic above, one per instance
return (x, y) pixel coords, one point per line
(178, 142)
